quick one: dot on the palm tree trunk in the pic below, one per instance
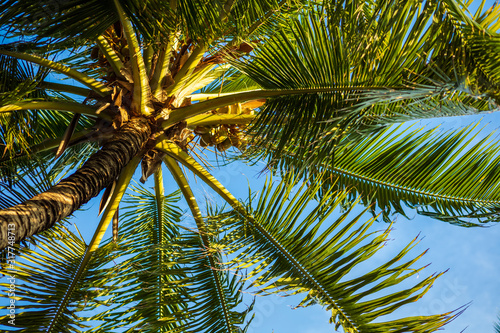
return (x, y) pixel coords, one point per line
(43, 210)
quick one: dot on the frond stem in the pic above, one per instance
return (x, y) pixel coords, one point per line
(50, 144)
(195, 210)
(55, 105)
(397, 187)
(186, 112)
(111, 56)
(122, 183)
(162, 67)
(187, 69)
(142, 93)
(65, 88)
(90, 82)
(181, 156)
(218, 119)
(159, 192)
(172, 150)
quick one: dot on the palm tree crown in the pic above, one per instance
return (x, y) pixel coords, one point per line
(322, 92)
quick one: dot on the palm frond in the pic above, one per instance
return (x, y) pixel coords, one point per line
(217, 290)
(252, 20)
(17, 81)
(293, 249)
(326, 82)
(51, 292)
(478, 41)
(27, 184)
(89, 81)
(497, 327)
(23, 131)
(24, 176)
(148, 273)
(232, 81)
(372, 83)
(74, 23)
(353, 16)
(20, 83)
(18, 160)
(449, 175)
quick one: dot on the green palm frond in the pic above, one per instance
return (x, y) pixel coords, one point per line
(19, 129)
(81, 61)
(257, 19)
(216, 290)
(478, 40)
(25, 133)
(497, 327)
(436, 99)
(390, 80)
(18, 80)
(449, 175)
(41, 147)
(27, 184)
(291, 249)
(232, 81)
(148, 273)
(195, 16)
(353, 16)
(173, 281)
(321, 91)
(234, 20)
(51, 291)
(30, 175)
(465, 44)
(73, 23)
(279, 65)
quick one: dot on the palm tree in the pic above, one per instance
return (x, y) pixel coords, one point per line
(323, 93)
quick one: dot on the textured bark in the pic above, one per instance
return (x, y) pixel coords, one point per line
(43, 210)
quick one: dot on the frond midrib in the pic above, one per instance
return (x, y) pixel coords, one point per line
(220, 293)
(300, 268)
(69, 291)
(181, 180)
(402, 188)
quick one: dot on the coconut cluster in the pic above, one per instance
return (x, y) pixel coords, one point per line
(223, 137)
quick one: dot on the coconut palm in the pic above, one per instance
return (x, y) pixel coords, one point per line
(322, 92)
